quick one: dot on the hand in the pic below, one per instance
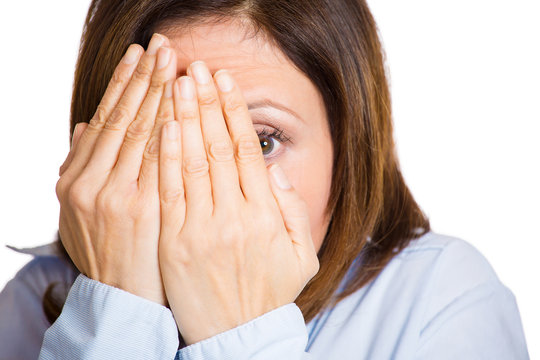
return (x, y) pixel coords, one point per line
(232, 245)
(108, 187)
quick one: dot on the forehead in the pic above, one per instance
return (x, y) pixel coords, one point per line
(260, 68)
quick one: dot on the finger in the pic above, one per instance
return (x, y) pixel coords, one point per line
(292, 207)
(217, 141)
(128, 166)
(111, 137)
(194, 162)
(249, 157)
(171, 188)
(149, 174)
(77, 131)
(115, 89)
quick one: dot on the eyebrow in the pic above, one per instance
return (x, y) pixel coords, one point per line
(270, 103)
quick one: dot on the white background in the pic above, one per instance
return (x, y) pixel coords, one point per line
(465, 82)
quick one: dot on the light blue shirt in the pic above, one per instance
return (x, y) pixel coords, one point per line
(437, 299)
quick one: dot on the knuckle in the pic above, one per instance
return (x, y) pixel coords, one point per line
(143, 72)
(99, 118)
(233, 106)
(138, 130)
(169, 157)
(221, 151)
(189, 115)
(120, 77)
(196, 167)
(117, 77)
(165, 114)
(183, 257)
(208, 101)
(248, 150)
(76, 195)
(174, 253)
(60, 188)
(152, 149)
(108, 203)
(119, 115)
(155, 88)
(172, 196)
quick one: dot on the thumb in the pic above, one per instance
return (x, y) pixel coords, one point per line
(293, 208)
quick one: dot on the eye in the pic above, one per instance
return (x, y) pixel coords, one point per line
(268, 143)
(270, 140)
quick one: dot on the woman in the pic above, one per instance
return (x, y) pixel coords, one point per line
(192, 242)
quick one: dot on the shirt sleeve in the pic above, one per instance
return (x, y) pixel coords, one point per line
(471, 314)
(99, 321)
(277, 334)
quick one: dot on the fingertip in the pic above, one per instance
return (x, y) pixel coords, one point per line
(185, 88)
(163, 57)
(224, 80)
(132, 54)
(166, 41)
(157, 41)
(279, 178)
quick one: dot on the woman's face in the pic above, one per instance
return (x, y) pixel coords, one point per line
(278, 95)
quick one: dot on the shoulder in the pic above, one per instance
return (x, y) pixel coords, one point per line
(21, 309)
(450, 266)
(448, 257)
(458, 298)
(439, 264)
(445, 268)
(431, 272)
(437, 298)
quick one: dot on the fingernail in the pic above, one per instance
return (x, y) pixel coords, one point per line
(164, 55)
(187, 88)
(200, 72)
(224, 80)
(155, 43)
(131, 55)
(171, 128)
(279, 177)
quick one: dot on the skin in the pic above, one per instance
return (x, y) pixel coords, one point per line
(263, 72)
(167, 192)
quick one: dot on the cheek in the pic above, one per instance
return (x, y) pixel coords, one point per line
(309, 170)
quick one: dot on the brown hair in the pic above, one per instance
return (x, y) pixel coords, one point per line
(335, 43)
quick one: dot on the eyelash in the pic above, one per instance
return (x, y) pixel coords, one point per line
(277, 134)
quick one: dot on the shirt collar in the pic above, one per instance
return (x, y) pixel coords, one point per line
(50, 249)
